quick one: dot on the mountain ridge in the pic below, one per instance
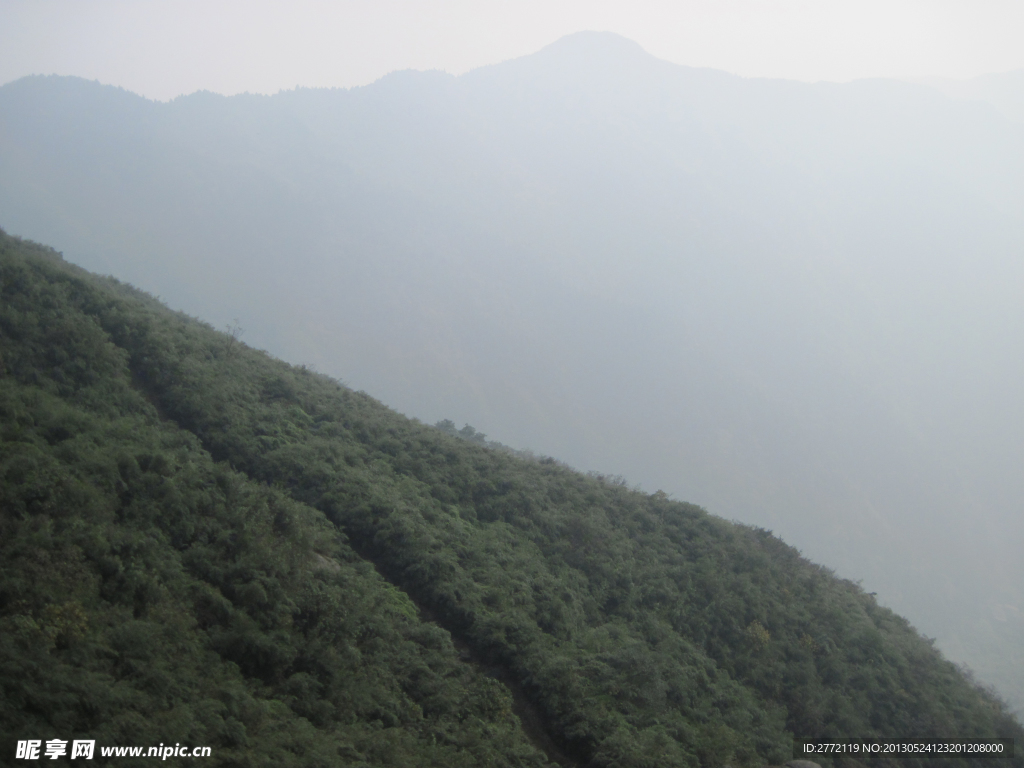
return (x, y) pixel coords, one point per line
(179, 472)
(642, 629)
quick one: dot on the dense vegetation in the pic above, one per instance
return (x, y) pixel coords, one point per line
(203, 544)
(149, 595)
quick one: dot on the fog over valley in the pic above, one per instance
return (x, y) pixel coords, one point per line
(797, 305)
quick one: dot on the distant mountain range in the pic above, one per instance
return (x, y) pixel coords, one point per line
(797, 305)
(1004, 91)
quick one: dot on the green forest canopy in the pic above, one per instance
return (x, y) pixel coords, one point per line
(202, 544)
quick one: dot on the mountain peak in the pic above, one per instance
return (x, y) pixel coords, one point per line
(591, 43)
(581, 54)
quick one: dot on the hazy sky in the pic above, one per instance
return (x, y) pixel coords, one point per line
(163, 48)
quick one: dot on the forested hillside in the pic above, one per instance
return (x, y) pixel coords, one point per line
(203, 544)
(149, 594)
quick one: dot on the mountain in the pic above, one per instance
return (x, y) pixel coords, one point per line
(1004, 91)
(794, 304)
(204, 545)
